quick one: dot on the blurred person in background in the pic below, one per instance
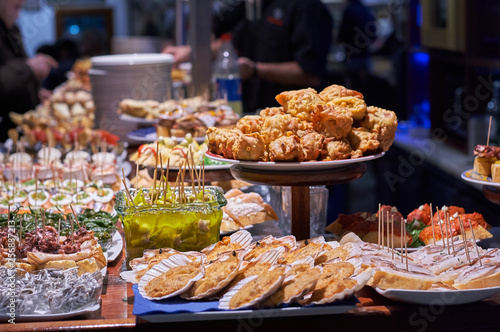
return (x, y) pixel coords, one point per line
(356, 34)
(65, 52)
(282, 47)
(20, 76)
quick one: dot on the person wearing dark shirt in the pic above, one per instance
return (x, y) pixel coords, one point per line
(19, 76)
(285, 48)
(65, 52)
(356, 33)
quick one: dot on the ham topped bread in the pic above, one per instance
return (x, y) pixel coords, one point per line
(430, 267)
(244, 209)
(365, 225)
(43, 248)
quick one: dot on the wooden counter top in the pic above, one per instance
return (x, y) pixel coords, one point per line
(115, 313)
(373, 313)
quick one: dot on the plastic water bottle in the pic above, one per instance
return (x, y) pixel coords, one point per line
(227, 75)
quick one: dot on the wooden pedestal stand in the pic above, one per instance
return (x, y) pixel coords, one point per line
(492, 194)
(300, 182)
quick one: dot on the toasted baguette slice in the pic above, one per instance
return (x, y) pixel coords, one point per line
(484, 276)
(482, 166)
(23, 268)
(335, 228)
(249, 213)
(392, 279)
(62, 264)
(228, 224)
(87, 265)
(39, 258)
(372, 237)
(99, 257)
(495, 172)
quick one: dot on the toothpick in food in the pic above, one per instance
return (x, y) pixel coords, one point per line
(474, 239)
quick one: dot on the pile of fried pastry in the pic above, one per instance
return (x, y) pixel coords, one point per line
(334, 124)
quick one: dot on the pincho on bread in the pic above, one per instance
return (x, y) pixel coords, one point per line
(477, 222)
(365, 225)
(450, 266)
(43, 249)
(486, 156)
(244, 209)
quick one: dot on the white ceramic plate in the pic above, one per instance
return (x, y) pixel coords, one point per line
(471, 176)
(149, 135)
(442, 297)
(130, 118)
(131, 59)
(293, 166)
(48, 317)
(207, 167)
(116, 247)
(127, 168)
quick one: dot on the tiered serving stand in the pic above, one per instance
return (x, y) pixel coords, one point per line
(490, 189)
(299, 176)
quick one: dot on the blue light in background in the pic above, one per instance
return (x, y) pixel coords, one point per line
(74, 29)
(426, 106)
(421, 58)
(419, 15)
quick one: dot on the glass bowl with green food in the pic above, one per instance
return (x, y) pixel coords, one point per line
(184, 220)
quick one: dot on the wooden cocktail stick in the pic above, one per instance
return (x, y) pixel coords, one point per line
(403, 238)
(392, 236)
(382, 230)
(191, 174)
(43, 220)
(446, 228)
(432, 223)
(151, 194)
(161, 179)
(406, 249)
(36, 225)
(441, 229)
(74, 214)
(378, 226)
(195, 171)
(489, 131)
(178, 189)
(474, 239)
(182, 181)
(72, 229)
(127, 191)
(388, 231)
(447, 218)
(203, 179)
(160, 187)
(165, 185)
(464, 238)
